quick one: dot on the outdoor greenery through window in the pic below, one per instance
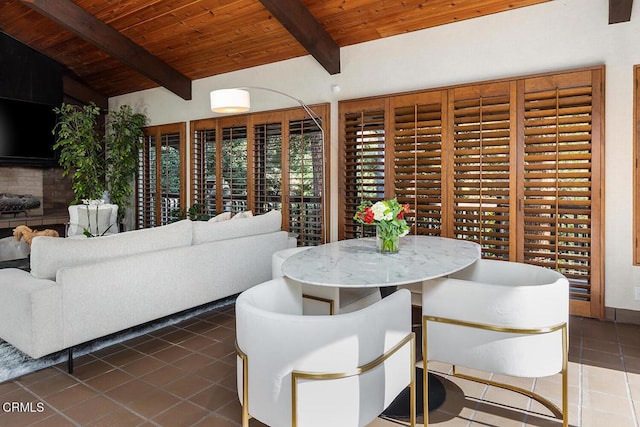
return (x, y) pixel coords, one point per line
(515, 165)
(160, 183)
(263, 161)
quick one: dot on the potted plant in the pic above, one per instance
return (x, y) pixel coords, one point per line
(123, 141)
(99, 161)
(81, 149)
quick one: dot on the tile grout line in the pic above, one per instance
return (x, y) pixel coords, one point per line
(626, 377)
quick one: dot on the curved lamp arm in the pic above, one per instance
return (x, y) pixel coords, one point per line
(237, 100)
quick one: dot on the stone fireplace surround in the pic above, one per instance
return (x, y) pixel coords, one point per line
(48, 185)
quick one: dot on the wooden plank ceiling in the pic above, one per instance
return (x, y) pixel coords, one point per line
(202, 38)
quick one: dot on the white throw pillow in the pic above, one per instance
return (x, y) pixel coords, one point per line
(245, 214)
(221, 217)
(260, 224)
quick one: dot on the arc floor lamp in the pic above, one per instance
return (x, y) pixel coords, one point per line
(238, 100)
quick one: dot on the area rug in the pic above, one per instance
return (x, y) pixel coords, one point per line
(14, 363)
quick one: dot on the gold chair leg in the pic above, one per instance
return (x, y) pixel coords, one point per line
(565, 376)
(425, 375)
(412, 387)
(245, 386)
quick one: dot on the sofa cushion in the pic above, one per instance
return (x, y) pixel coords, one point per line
(221, 217)
(48, 254)
(241, 215)
(214, 231)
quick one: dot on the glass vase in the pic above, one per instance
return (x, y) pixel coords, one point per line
(387, 243)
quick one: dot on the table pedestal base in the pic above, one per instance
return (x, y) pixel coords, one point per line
(400, 407)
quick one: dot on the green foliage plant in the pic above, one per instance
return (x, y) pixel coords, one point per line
(81, 149)
(194, 213)
(123, 141)
(99, 161)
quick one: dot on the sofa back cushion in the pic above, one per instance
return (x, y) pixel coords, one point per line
(48, 254)
(204, 231)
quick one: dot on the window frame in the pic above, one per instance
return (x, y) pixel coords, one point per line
(636, 165)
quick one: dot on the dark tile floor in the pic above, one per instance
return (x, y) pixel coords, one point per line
(184, 375)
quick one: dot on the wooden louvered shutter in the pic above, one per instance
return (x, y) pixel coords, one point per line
(161, 175)
(417, 137)
(305, 181)
(234, 169)
(362, 164)
(146, 185)
(267, 167)
(482, 167)
(203, 166)
(562, 149)
(170, 182)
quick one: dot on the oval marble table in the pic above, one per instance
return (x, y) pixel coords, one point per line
(356, 263)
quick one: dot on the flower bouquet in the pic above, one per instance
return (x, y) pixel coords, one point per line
(388, 217)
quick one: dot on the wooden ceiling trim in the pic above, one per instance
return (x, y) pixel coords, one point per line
(89, 28)
(303, 26)
(620, 11)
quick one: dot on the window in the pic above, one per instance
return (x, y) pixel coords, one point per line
(562, 165)
(362, 162)
(417, 147)
(515, 165)
(483, 167)
(233, 157)
(160, 181)
(264, 161)
(203, 166)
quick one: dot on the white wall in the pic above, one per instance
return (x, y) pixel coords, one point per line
(558, 35)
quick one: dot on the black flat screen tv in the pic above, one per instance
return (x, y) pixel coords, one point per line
(26, 136)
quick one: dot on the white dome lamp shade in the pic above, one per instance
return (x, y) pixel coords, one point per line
(230, 101)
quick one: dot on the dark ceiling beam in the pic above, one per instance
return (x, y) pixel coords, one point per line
(88, 27)
(620, 11)
(303, 26)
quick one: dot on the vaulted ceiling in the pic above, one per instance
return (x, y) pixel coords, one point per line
(120, 46)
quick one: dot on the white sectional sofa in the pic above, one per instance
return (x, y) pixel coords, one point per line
(82, 289)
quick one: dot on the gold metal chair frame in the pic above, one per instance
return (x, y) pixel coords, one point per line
(561, 414)
(296, 375)
(331, 302)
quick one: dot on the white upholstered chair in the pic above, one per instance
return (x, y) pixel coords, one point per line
(500, 317)
(83, 217)
(325, 299)
(341, 370)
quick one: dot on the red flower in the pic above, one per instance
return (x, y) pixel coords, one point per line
(403, 210)
(368, 216)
